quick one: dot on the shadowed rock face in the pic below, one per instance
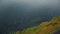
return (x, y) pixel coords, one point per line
(17, 15)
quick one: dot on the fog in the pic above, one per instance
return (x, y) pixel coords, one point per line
(19, 14)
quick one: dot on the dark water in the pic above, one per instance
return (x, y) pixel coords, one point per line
(57, 32)
(15, 15)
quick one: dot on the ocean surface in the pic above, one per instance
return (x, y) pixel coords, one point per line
(20, 14)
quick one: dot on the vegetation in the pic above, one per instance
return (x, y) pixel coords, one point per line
(44, 28)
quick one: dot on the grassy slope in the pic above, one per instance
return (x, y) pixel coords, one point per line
(43, 28)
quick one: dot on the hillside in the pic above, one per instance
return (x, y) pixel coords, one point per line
(48, 27)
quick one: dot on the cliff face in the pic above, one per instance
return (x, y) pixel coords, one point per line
(48, 27)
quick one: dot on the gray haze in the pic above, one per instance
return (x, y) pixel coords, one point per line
(19, 14)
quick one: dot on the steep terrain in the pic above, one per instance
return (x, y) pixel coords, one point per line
(48, 27)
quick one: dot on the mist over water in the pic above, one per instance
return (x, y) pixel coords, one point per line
(19, 14)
